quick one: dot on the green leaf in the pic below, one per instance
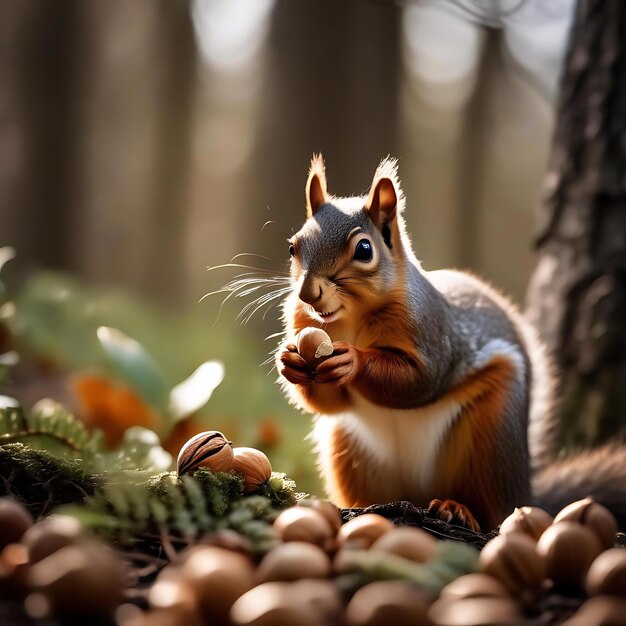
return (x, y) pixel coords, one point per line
(9, 359)
(135, 366)
(6, 402)
(6, 254)
(194, 392)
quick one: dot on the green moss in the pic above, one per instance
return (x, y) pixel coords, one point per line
(128, 507)
(281, 491)
(42, 480)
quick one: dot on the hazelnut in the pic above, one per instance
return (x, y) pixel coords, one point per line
(303, 524)
(514, 561)
(209, 449)
(607, 574)
(364, 530)
(51, 534)
(217, 577)
(322, 596)
(568, 550)
(475, 612)
(529, 520)
(84, 579)
(15, 520)
(411, 543)
(331, 512)
(292, 561)
(172, 592)
(388, 602)
(230, 540)
(600, 611)
(253, 466)
(594, 516)
(314, 345)
(274, 604)
(474, 586)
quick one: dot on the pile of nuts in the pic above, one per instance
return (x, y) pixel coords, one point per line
(211, 450)
(570, 555)
(295, 583)
(300, 582)
(312, 578)
(54, 567)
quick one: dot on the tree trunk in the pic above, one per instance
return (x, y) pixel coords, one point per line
(577, 295)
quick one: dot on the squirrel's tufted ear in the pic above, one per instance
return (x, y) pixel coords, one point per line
(315, 190)
(386, 199)
(382, 202)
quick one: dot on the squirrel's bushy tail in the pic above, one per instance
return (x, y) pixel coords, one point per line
(599, 473)
(559, 480)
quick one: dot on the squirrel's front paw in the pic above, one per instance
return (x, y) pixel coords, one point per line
(453, 513)
(293, 367)
(342, 367)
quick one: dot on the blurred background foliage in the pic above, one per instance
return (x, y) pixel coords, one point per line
(141, 142)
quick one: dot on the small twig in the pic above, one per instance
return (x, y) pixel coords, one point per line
(167, 544)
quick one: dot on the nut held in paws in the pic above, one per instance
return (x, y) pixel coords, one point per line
(313, 345)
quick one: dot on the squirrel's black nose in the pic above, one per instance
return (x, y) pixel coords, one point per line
(311, 290)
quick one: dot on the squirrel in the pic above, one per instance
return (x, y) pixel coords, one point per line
(438, 391)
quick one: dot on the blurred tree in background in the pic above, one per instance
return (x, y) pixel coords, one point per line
(143, 141)
(577, 296)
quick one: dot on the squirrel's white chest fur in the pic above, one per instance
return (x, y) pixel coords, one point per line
(403, 445)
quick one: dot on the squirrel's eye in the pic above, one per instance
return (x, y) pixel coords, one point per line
(292, 250)
(363, 251)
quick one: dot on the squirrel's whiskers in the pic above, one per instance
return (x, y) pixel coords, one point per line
(248, 283)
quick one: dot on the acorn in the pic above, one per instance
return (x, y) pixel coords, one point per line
(293, 561)
(475, 612)
(15, 520)
(322, 596)
(275, 604)
(607, 574)
(209, 449)
(529, 520)
(230, 540)
(83, 579)
(52, 534)
(594, 516)
(513, 560)
(388, 602)
(173, 602)
(330, 511)
(314, 345)
(409, 542)
(568, 550)
(474, 586)
(303, 524)
(217, 577)
(362, 531)
(253, 466)
(170, 590)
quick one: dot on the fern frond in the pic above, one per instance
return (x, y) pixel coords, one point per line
(48, 419)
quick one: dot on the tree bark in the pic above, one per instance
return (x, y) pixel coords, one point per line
(577, 295)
